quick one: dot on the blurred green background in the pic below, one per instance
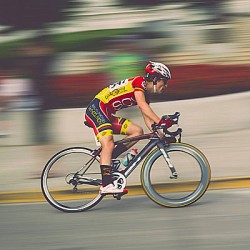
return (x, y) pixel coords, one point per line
(58, 54)
(73, 48)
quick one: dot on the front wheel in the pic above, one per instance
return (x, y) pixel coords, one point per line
(191, 182)
(71, 180)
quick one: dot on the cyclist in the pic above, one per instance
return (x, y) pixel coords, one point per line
(100, 115)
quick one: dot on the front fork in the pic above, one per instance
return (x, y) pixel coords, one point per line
(174, 174)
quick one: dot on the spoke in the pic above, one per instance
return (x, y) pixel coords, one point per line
(71, 190)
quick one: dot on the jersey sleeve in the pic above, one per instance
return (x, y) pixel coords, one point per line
(139, 84)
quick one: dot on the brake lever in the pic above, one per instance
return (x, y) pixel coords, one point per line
(175, 117)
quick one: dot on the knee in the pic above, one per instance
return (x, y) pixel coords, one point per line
(107, 144)
(138, 131)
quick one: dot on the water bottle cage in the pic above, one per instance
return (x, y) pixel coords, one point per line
(128, 159)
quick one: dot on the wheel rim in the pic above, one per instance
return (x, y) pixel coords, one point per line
(192, 181)
(59, 190)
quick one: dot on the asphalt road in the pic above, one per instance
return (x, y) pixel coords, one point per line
(220, 220)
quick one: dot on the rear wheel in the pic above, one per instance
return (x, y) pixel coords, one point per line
(71, 180)
(193, 175)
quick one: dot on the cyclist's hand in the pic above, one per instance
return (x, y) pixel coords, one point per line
(167, 122)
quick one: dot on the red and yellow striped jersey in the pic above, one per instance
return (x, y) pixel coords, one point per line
(121, 94)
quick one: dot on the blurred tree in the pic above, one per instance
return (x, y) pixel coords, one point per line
(32, 14)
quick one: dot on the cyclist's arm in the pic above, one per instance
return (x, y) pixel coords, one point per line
(148, 114)
(148, 122)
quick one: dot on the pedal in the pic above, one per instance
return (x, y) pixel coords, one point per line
(119, 196)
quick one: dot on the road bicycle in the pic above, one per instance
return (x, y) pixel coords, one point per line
(173, 174)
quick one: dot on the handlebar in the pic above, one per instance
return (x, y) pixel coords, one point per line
(175, 117)
(175, 120)
(175, 133)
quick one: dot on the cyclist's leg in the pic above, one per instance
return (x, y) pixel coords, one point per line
(98, 118)
(125, 127)
(107, 143)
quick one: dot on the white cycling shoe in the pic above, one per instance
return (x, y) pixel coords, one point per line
(117, 187)
(112, 189)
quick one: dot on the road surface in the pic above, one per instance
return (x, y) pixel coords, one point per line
(220, 221)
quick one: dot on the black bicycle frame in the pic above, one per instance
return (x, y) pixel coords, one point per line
(154, 141)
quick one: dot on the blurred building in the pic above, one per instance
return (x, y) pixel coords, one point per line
(175, 33)
(205, 43)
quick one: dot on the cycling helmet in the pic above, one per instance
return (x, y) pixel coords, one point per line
(158, 70)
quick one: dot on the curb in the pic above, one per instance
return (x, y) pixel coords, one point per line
(31, 196)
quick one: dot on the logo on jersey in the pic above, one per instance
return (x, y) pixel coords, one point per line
(124, 103)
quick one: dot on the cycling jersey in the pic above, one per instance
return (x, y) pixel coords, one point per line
(99, 113)
(121, 94)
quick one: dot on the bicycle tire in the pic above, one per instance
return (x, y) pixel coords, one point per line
(193, 170)
(66, 190)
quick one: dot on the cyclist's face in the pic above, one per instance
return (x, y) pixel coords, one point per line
(161, 86)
